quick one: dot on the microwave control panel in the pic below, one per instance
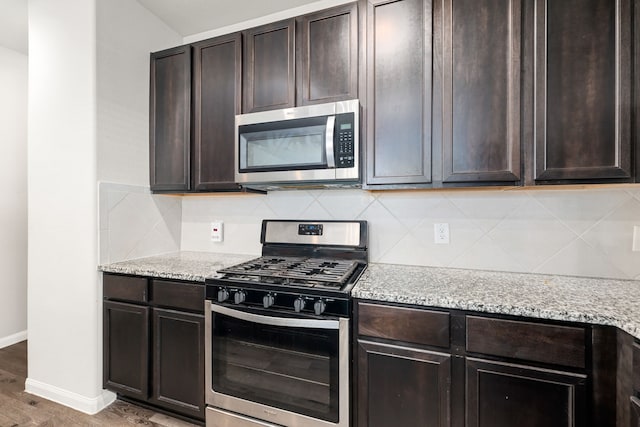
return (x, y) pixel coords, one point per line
(344, 144)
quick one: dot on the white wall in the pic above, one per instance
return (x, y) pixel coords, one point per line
(13, 203)
(126, 34)
(560, 230)
(88, 120)
(133, 222)
(65, 360)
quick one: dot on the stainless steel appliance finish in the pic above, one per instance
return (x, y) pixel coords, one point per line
(278, 328)
(260, 412)
(219, 418)
(339, 234)
(310, 145)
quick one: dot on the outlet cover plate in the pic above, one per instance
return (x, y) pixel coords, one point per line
(441, 233)
(217, 229)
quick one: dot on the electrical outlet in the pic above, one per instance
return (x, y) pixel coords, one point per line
(441, 233)
(636, 239)
(217, 228)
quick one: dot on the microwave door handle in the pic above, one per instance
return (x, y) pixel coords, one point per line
(331, 160)
(289, 322)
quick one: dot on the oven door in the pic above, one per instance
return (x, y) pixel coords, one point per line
(289, 371)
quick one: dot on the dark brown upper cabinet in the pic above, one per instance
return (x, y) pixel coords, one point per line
(311, 59)
(170, 120)
(217, 97)
(480, 76)
(398, 91)
(582, 95)
(269, 67)
(327, 55)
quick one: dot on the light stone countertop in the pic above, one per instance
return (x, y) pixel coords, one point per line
(191, 266)
(575, 299)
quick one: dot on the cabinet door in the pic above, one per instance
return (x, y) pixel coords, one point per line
(327, 55)
(216, 93)
(178, 362)
(504, 395)
(480, 90)
(269, 67)
(635, 412)
(401, 386)
(399, 80)
(170, 120)
(582, 90)
(126, 349)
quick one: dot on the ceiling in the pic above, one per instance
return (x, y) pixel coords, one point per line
(189, 17)
(186, 17)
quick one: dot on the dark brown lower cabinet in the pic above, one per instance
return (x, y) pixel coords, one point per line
(402, 386)
(154, 343)
(635, 412)
(476, 370)
(126, 349)
(178, 361)
(503, 394)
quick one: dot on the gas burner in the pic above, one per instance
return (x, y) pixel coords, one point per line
(308, 272)
(312, 274)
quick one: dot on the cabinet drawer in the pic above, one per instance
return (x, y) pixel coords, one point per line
(560, 345)
(178, 295)
(125, 288)
(404, 324)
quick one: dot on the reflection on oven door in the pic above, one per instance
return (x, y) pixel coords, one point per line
(261, 368)
(219, 418)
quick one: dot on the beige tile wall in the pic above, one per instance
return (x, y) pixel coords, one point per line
(571, 231)
(134, 223)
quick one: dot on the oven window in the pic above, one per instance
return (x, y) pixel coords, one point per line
(295, 369)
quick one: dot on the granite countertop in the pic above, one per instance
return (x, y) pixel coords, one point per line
(596, 301)
(575, 299)
(191, 266)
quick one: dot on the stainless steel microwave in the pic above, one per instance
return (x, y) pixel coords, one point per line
(310, 145)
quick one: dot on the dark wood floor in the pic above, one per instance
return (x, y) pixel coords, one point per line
(18, 408)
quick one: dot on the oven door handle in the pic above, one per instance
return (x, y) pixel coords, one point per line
(276, 321)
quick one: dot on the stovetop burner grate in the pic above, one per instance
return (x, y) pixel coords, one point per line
(313, 272)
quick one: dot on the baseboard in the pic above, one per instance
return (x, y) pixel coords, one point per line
(88, 405)
(13, 339)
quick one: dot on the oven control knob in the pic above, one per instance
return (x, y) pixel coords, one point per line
(298, 304)
(239, 297)
(268, 300)
(319, 306)
(223, 295)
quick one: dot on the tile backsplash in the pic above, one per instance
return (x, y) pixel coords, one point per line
(135, 223)
(571, 231)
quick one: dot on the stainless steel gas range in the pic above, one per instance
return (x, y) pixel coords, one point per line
(278, 328)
